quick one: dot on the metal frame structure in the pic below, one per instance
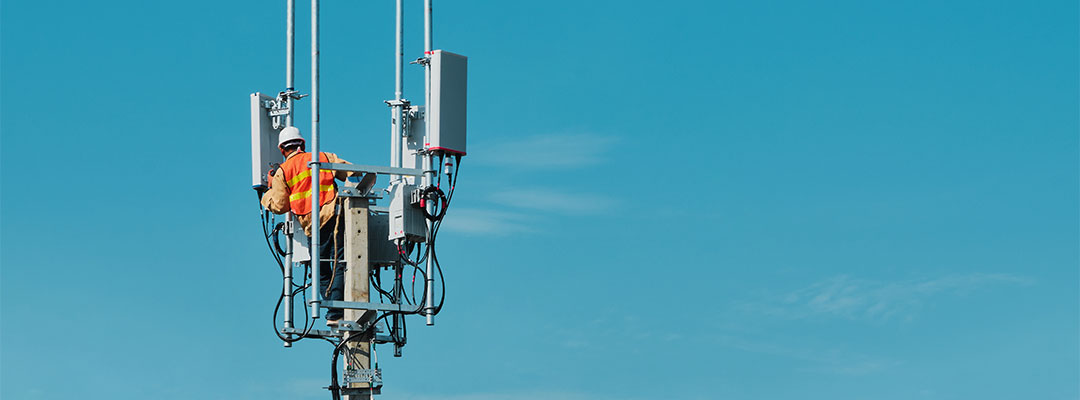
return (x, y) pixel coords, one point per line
(360, 328)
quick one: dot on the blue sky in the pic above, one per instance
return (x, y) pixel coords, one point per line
(738, 200)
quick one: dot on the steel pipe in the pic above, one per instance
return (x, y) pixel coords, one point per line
(288, 276)
(290, 76)
(290, 50)
(315, 220)
(429, 301)
(374, 169)
(290, 61)
(361, 305)
(397, 125)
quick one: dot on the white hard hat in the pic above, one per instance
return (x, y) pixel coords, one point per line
(290, 133)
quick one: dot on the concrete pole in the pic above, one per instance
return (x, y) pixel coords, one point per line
(357, 287)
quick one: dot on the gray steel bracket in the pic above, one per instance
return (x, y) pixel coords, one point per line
(311, 333)
(372, 377)
(372, 169)
(361, 392)
(350, 192)
(357, 305)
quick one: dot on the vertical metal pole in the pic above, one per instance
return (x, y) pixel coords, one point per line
(399, 290)
(315, 220)
(395, 139)
(288, 276)
(396, 142)
(397, 126)
(400, 50)
(290, 48)
(427, 26)
(429, 301)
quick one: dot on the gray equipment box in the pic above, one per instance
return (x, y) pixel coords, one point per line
(381, 251)
(263, 140)
(406, 220)
(448, 94)
(413, 143)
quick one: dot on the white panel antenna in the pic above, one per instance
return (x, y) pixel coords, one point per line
(264, 151)
(448, 100)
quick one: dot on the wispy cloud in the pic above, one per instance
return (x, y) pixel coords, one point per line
(554, 151)
(304, 387)
(520, 395)
(853, 298)
(520, 210)
(553, 200)
(832, 361)
(487, 221)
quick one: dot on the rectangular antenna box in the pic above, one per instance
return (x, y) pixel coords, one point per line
(413, 143)
(406, 220)
(263, 140)
(381, 251)
(448, 94)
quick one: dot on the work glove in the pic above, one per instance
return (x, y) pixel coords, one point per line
(270, 174)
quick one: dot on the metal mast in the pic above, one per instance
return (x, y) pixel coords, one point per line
(378, 238)
(429, 171)
(315, 220)
(397, 125)
(290, 50)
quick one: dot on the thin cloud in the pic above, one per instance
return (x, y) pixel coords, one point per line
(486, 221)
(830, 361)
(555, 151)
(521, 395)
(855, 368)
(846, 297)
(301, 387)
(551, 200)
(520, 210)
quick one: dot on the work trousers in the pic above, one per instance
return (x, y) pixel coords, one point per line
(331, 270)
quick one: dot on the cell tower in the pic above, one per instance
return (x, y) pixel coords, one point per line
(383, 244)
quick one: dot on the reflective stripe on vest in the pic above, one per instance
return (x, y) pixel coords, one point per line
(292, 182)
(307, 193)
(298, 179)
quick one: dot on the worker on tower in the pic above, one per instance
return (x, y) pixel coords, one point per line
(290, 190)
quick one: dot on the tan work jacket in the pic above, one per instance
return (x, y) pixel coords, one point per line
(277, 198)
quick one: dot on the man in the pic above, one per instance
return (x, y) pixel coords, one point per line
(290, 190)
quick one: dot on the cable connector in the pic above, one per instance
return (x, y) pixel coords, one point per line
(416, 197)
(448, 167)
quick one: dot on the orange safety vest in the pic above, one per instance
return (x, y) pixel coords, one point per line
(298, 179)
